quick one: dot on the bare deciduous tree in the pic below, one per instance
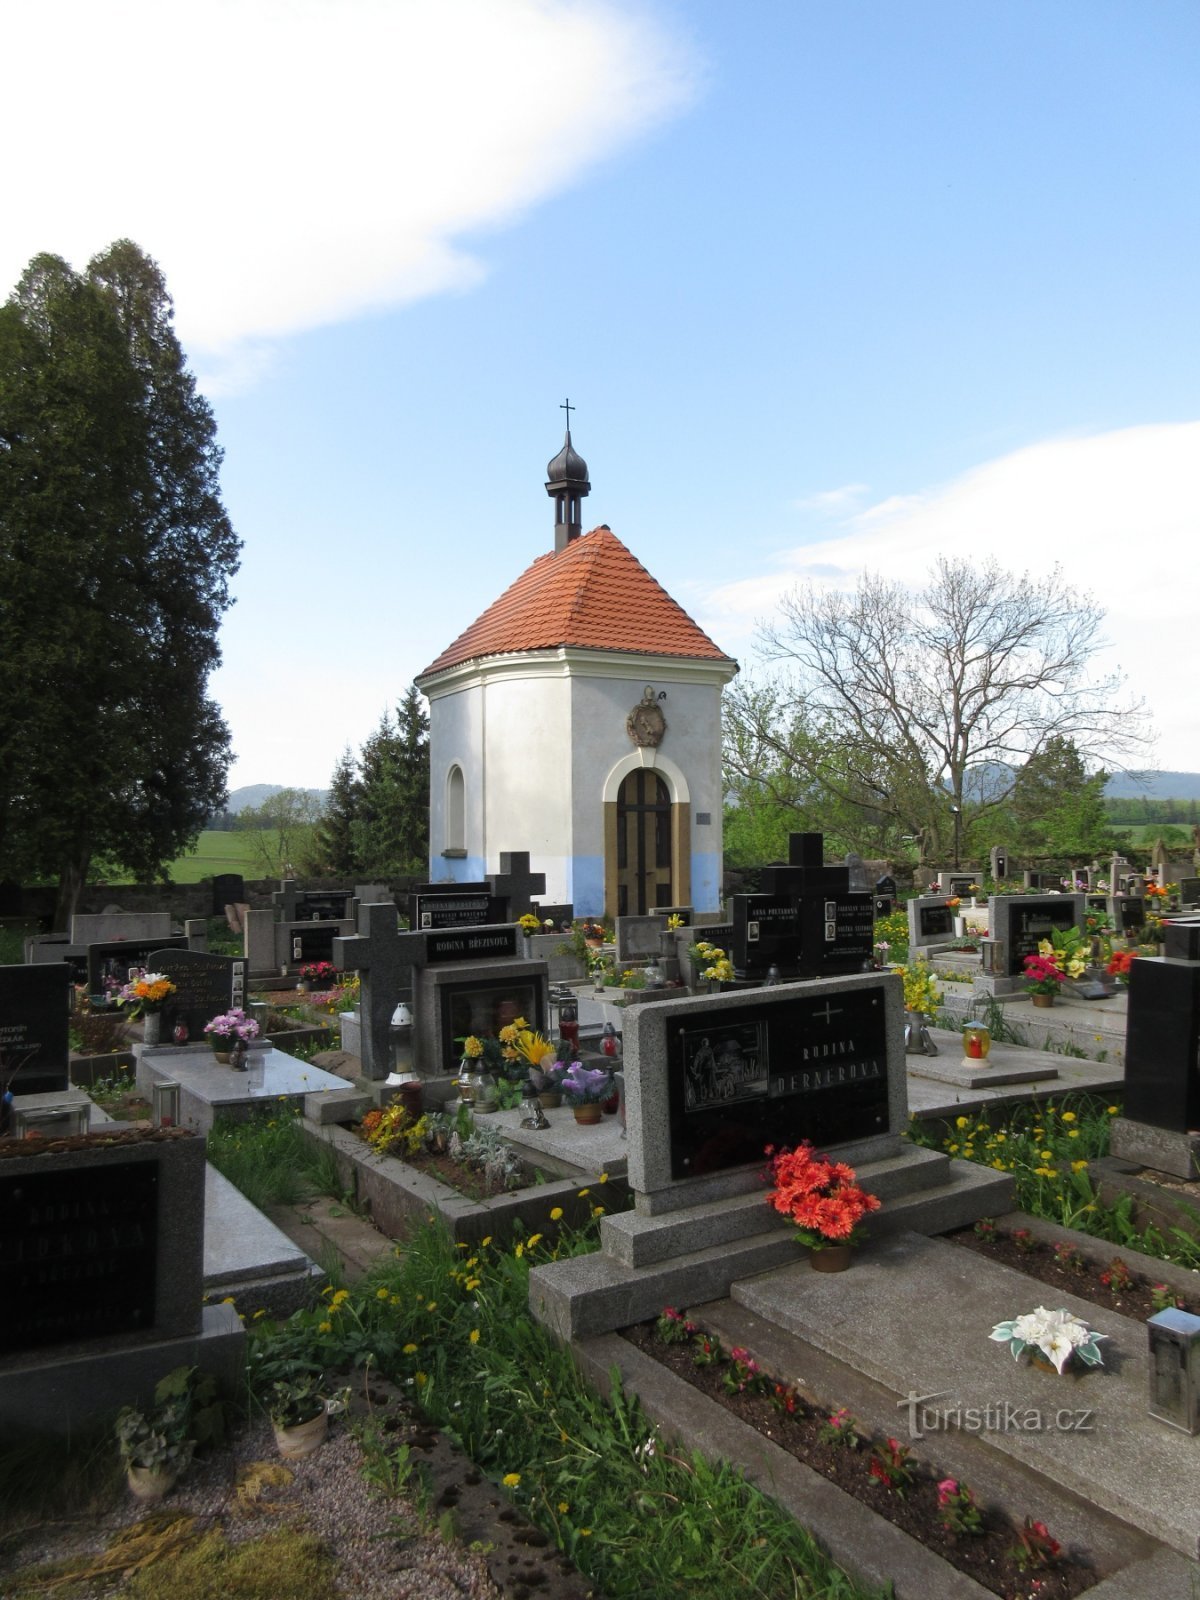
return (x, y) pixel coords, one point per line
(935, 698)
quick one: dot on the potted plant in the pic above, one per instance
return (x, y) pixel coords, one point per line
(586, 1088)
(824, 1201)
(1054, 1339)
(316, 975)
(157, 1447)
(146, 995)
(231, 1025)
(547, 1080)
(299, 1415)
(1043, 977)
(922, 997)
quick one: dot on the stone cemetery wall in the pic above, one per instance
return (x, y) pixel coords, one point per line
(182, 900)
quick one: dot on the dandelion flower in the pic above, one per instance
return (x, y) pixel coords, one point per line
(474, 1335)
(556, 1214)
(410, 1349)
(510, 1480)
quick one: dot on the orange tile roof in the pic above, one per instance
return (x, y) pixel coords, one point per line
(593, 595)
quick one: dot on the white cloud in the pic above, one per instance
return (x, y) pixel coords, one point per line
(1118, 511)
(291, 163)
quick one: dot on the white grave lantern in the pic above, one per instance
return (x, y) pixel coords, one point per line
(1175, 1368)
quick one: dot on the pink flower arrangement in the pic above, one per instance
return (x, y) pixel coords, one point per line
(1043, 974)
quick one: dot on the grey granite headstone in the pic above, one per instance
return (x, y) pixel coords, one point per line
(711, 1081)
(35, 1010)
(383, 958)
(637, 939)
(106, 926)
(930, 921)
(516, 884)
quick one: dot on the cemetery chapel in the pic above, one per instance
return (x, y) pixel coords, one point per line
(579, 719)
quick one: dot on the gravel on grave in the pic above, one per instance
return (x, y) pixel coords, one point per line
(382, 1549)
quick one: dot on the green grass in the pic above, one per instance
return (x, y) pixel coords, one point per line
(269, 1159)
(1049, 1148)
(224, 852)
(451, 1324)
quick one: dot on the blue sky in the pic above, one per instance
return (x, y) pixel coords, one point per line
(832, 286)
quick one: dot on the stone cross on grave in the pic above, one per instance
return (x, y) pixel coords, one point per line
(383, 958)
(515, 883)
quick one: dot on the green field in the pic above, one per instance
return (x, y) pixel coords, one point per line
(223, 852)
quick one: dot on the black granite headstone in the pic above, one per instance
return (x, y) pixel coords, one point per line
(78, 1254)
(814, 1068)
(766, 933)
(935, 921)
(457, 911)
(1162, 1044)
(1130, 913)
(471, 944)
(228, 889)
(1182, 940)
(35, 1010)
(111, 963)
(807, 922)
(205, 987)
(313, 941)
(515, 883)
(483, 1006)
(1030, 923)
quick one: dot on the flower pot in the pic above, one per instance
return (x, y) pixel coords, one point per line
(152, 1027)
(550, 1099)
(304, 1438)
(221, 1047)
(1042, 1001)
(150, 1483)
(833, 1258)
(587, 1114)
(1043, 1363)
(303, 986)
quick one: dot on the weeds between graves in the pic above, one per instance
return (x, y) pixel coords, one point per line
(1049, 1149)
(270, 1159)
(450, 1326)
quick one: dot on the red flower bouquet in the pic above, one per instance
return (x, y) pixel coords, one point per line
(819, 1195)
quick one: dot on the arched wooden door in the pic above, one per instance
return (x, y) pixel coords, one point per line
(644, 866)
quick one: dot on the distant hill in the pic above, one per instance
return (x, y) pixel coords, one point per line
(253, 794)
(1154, 786)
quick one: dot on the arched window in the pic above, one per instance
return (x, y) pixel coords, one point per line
(456, 810)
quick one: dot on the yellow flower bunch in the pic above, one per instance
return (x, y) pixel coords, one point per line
(396, 1128)
(921, 992)
(523, 1043)
(472, 1047)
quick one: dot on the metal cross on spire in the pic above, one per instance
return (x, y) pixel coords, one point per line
(568, 408)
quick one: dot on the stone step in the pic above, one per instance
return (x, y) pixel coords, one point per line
(963, 1453)
(637, 1240)
(969, 1193)
(915, 1313)
(635, 1275)
(595, 1294)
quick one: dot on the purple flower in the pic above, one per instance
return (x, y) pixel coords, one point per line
(587, 1084)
